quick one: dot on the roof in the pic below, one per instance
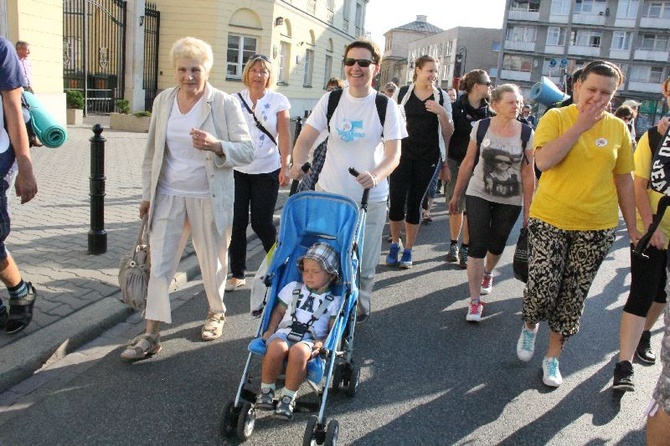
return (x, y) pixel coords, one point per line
(420, 26)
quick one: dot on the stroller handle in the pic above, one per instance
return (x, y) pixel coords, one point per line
(294, 184)
(366, 192)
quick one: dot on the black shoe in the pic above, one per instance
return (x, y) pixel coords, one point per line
(623, 377)
(3, 315)
(361, 318)
(21, 311)
(643, 351)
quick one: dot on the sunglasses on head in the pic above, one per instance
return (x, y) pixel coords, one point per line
(259, 56)
(363, 63)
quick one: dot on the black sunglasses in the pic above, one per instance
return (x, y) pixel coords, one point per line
(363, 63)
(259, 56)
(487, 83)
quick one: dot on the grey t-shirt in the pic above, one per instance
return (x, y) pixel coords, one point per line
(497, 176)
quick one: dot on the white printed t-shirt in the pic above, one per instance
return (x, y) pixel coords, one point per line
(355, 141)
(307, 305)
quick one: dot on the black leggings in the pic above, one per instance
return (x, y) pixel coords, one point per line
(489, 225)
(647, 283)
(408, 184)
(258, 192)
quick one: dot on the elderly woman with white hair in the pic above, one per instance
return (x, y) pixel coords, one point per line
(197, 135)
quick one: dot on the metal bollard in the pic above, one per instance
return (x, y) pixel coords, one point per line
(298, 128)
(97, 236)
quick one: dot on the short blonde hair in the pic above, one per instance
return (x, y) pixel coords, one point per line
(499, 92)
(253, 60)
(192, 48)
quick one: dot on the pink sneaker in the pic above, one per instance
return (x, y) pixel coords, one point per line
(487, 284)
(475, 310)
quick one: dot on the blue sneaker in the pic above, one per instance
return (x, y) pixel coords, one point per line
(406, 260)
(392, 258)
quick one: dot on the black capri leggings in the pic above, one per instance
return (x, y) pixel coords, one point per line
(407, 185)
(489, 225)
(647, 283)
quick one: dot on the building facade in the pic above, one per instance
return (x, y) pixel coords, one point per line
(304, 39)
(552, 38)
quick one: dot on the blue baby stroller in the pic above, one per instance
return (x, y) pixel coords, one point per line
(307, 218)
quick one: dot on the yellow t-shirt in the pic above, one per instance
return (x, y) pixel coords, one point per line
(579, 192)
(643, 161)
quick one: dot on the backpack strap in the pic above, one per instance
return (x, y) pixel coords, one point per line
(655, 139)
(381, 102)
(481, 131)
(333, 100)
(402, 92)
(526, 130)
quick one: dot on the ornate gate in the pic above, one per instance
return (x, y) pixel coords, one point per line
(152, 24)
(94, 40)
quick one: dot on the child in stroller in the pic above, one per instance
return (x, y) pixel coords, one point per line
(299, 324)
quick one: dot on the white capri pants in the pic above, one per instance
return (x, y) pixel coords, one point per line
(174, 219)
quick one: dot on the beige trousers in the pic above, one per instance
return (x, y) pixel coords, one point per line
(174, 219)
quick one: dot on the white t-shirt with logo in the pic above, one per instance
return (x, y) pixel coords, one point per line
(355, 141)
(307, 305)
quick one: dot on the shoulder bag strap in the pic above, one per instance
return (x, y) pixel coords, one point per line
(258, 123)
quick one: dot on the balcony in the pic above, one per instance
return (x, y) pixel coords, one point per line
(651, 56)
(647, 22)
(554, 49)
(619, 54)
(624, 23)
(646, 87)
(515, 75)
(519, 46)
(589, 19)
(589, 51)
(524, 15)
(559, 18)
(330, 16)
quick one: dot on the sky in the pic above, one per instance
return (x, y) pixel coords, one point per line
(383, 15)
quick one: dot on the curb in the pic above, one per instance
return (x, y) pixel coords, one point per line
(24, 357)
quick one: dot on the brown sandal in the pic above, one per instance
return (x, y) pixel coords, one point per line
(142, 346)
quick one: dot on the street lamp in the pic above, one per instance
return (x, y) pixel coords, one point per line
(460, 59)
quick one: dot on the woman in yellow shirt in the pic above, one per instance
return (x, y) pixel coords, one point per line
(586, 159)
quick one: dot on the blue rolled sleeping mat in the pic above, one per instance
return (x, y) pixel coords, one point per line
(45, 126)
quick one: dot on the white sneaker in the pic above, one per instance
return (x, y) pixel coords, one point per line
(487, 284)
(475, 310)
(234, 283)
(525, 346)
(551, 375)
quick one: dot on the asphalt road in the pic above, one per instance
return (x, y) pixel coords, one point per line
(428, 377)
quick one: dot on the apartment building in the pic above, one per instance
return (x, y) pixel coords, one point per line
(552, 38)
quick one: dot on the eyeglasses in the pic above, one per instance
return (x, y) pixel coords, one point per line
(259, 56)
(487, 83)
(363, 63)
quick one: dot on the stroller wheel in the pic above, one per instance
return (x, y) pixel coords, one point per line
(338, 376)
(246, 421)
(313, 434)
(228, 419)
(332, 431)
(354, 380)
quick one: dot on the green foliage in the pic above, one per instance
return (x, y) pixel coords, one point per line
(142, 113)
(74, 99)
(123, 105)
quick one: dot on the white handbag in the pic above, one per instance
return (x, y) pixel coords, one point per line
(134, 272)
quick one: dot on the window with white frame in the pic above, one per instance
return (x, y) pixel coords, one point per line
(309, 68)
(658, 10)
(555, 36)
(652, 75)
(284, 63)
(328, 70)
(240, 48)
(621, 40)
(627, 9)
(517, 63)
(521, 34)
(590, 7)
(654, 42)
(560, 7)
(525, 5)
(359, 18)
(586, 38)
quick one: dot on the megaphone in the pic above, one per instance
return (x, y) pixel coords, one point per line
(546, 92)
